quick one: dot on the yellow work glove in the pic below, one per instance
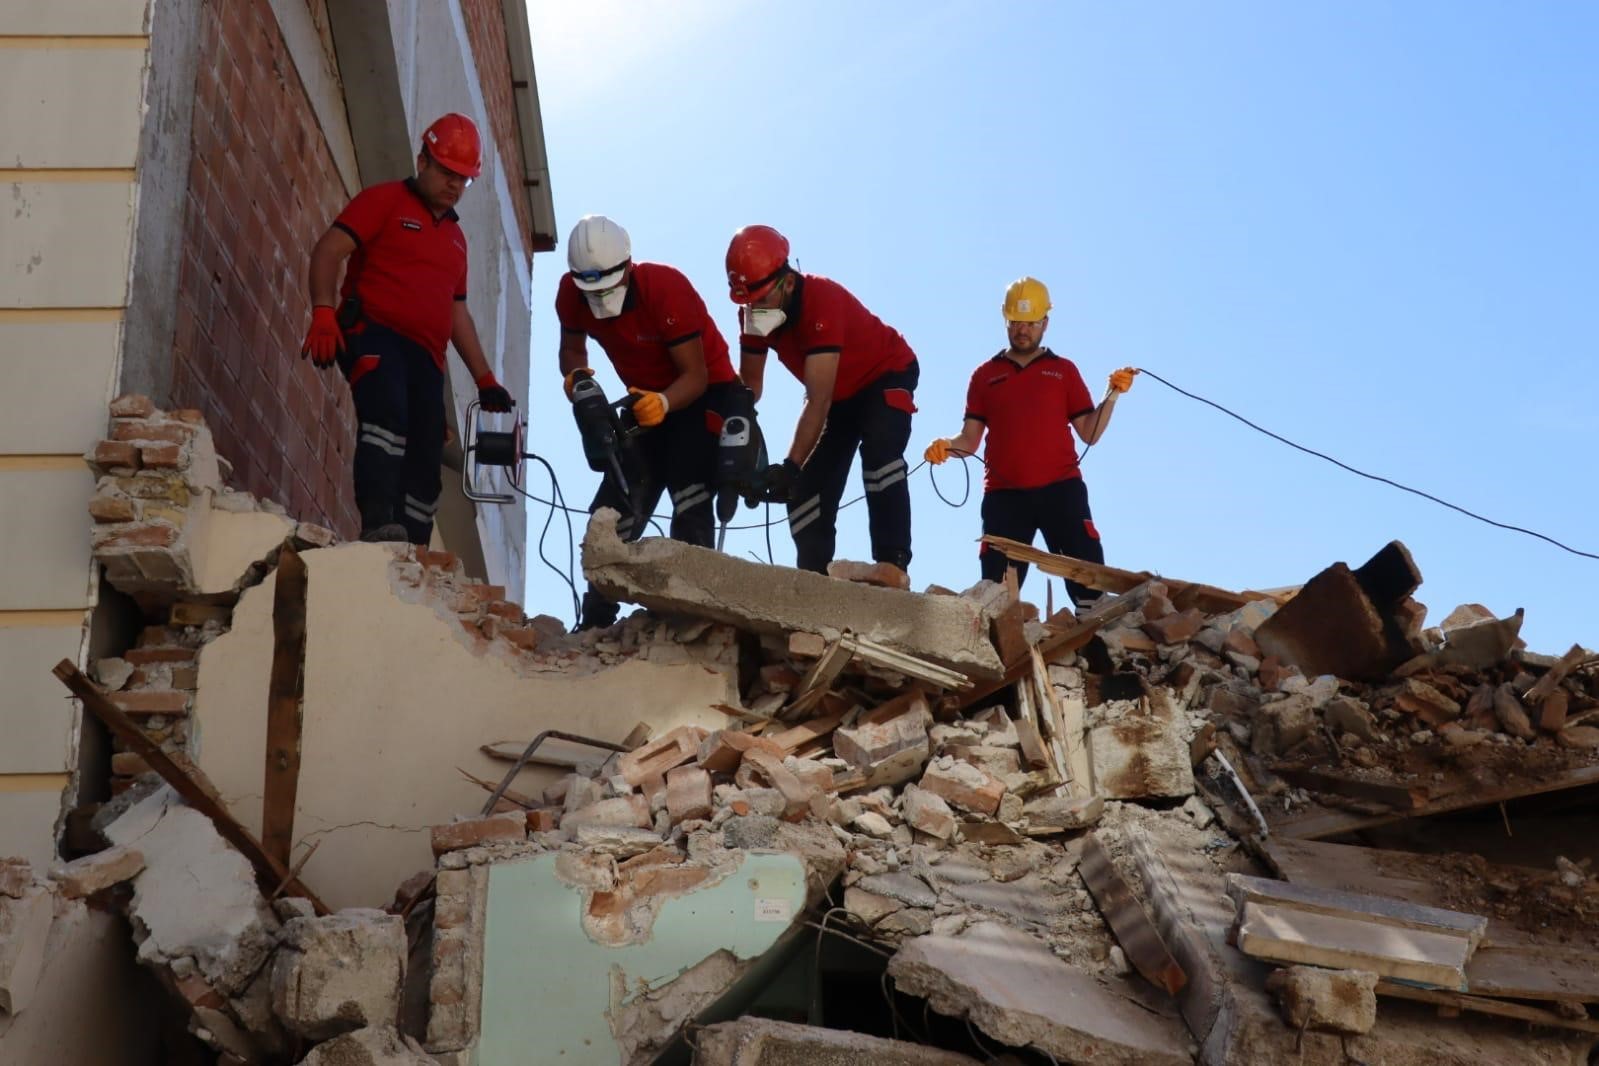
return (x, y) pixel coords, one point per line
(650, 407)
(938, 451)
(572, 379)
(1122, 380)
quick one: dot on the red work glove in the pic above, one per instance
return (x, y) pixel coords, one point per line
(492, 395)
(650, 408)
(324, 340)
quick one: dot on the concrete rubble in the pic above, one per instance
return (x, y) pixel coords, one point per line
(825, 784)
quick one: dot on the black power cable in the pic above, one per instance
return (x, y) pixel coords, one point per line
(1370, 477)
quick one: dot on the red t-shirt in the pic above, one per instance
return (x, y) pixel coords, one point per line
(409, 268)
(661, 310)
(828, 318)
(1028, 411)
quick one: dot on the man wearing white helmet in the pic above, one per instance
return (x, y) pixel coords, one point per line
(668, 352)
(1029, 400)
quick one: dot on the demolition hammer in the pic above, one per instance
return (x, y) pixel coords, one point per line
(740, 459)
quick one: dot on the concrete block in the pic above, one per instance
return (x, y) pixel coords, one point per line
(1338, 1001)
(679, 578)
(1281, 724)
(765, 1042)
(1057, 814)
(688, 793)
(1014, 989)
(1140, 756)
(1335, 626)
(339, 973)
(375, 1046)
(98, 872)
(890, 751)
(632, 811)
(24, 930)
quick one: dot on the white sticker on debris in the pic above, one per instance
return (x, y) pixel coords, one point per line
(773, 910)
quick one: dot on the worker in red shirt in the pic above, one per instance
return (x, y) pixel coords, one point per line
(1029, 400)
(661, 341)
(403, 301)
(860, 378)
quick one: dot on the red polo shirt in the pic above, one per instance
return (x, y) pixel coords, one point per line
(661, 310)
(409, 268)
(826, 317)
(1028, 411)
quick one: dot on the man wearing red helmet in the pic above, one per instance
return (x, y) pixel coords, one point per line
(403, 301)
(860, 378)
(667, 350)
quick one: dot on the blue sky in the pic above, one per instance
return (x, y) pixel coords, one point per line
(1368, 226)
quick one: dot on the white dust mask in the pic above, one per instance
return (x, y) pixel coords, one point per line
(607, 303)
(763, 321)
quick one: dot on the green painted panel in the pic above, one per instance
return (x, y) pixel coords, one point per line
(547, 986)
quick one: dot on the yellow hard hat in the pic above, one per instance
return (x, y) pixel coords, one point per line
(1027, 300)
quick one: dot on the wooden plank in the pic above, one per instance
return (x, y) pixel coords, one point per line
(285, 706)
(1207, 598)
(1072, 731)
(813, 686)
(1060, 643)
(1128, 920)
(1534, 971)
(796, 737)
(1497, 1008)
(1316, 825)
(1384, 910)
(909, 665)
(269, 873)
(565, 756)
(1557, 673)
(1399, 797)
(521, 799)
(1281, 934)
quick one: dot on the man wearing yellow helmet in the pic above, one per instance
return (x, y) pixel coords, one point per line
(1028, 400)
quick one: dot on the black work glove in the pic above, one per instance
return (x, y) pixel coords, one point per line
(492, 395)
(781, 479)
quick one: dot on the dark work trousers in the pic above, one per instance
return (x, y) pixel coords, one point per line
(399, 406)
(876, 422)
(1060, 511)
(678, 456)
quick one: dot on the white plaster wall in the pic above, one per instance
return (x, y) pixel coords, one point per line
(59, 376)
(70, 107)
(395, 701)
(28, 814)
(36, 717)
(44, 539)
(24, 18)
(65, 243)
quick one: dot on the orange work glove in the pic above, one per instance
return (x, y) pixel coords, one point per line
(572, 377)
(324, 340)
(938, 451)
(1122, 380)
(650, 407)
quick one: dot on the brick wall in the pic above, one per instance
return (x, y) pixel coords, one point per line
(485, 27)
(262, 188)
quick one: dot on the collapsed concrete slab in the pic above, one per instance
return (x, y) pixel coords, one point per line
(1345, 622)
(667, 575)
(764, 1042)
(1013, 988)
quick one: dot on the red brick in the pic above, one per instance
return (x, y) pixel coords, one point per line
(110, 453)
(688, 793)
(477, 831)
(1241, 642)
(511, 612)
(524, 637)
(797, 795)
(170, 432)
(161, 456)
(144, 656)
(543, 820)
(886, 575)
(668, 880)
(963, 785)
(128, 764)
(1175, 628)
(188, 415)
(112, 509)
(658, 756)
(440, 560)
(132, 405)
(721, 751)
(152, 701)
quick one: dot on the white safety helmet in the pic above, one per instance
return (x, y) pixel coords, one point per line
(597, 251)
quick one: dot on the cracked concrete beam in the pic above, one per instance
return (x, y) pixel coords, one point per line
(670, 576)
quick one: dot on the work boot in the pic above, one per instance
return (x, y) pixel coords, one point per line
(389, 532)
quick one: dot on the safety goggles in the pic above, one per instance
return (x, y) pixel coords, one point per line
(592, 278)
(450, 175)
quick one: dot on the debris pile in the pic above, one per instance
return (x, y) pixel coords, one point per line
(1191, 825)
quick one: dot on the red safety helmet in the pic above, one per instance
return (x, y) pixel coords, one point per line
(757, 257)
(453, 142)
